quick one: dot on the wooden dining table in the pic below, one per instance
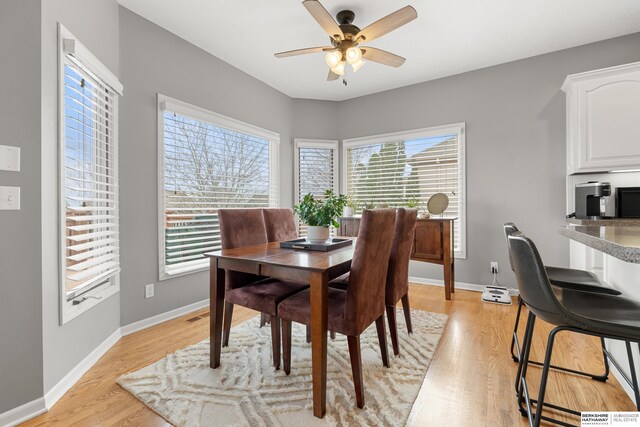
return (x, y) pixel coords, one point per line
(314, 267)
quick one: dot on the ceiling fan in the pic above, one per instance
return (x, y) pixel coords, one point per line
(346, 38)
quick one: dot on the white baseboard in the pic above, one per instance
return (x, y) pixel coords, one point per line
(23, 413)
(57, 391)
(459, 285)
(41, 405)
(162, 317)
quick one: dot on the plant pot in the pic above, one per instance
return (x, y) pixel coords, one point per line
(317, 234)
(348, 211)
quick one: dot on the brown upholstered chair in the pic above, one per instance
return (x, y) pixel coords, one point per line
(246, 227)
(281, 226)
(280, 223)
(353, 310)
(398, 272)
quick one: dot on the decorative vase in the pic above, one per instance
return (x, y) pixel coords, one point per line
(317, 234)
(348, 211)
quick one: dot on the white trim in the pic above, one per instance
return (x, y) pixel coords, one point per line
(162, 317)
(430, 132)
(313, 143)
(623, 383)
(57, 391)
(165, 103)
(22, 413)
(70, 45)
(437, 282)
(219, 120)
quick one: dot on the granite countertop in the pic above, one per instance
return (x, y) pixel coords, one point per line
(622, 242)
(625, 222)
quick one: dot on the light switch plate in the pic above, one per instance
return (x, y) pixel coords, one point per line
(9, 158)
(9, 198)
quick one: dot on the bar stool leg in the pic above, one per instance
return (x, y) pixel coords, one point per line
(524, 356)
(634, 377)
(543, 380)
(515, 330)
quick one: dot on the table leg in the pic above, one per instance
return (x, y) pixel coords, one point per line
(216, 304)
(319, 306)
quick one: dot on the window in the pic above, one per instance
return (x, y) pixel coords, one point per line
(207, 162)
(405, 167)
(88, 178)
(316, 169)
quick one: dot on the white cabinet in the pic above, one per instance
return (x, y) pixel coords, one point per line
(603, 119)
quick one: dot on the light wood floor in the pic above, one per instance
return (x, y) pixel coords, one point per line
(469, 382)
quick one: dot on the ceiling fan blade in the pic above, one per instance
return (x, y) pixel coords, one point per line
(332, 76)
(323, 18)
(387, 24)
(382, 56)
(303, 51)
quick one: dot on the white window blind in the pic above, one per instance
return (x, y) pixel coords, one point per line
(400, 169)
(89, 180)
(207, 165)
(316, 170)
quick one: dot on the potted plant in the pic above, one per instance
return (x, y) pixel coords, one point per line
(369, 205)
(320, 214)
(350, 207)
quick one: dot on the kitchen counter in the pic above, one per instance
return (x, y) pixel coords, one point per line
(622, 242)
(624, 222)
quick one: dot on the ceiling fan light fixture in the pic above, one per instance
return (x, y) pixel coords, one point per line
(339, 69)
(333, 58)
(353, 55)
(357, 65)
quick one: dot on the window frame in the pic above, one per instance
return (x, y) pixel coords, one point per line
(429, 132)
(331, 144)
(70, 46)
(166, 103)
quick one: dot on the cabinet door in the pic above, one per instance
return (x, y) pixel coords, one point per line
(427, 244)
(608, 132)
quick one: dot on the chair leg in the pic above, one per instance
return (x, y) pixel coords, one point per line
(275, 340)
(393, 328)
(382, 339)
(543, 379)
(524, 352)
(332, 334)
(515, 330)
(228, 313)
(634, 376)
(356, 368)
(407, 311)
(286, 345)
(308, 334)
(263, 319)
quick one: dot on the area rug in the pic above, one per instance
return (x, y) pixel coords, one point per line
(247, 391)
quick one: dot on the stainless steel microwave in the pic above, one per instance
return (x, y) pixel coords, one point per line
(628, 202)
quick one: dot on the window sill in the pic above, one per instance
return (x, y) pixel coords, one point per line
(70, 311)
(167, 275)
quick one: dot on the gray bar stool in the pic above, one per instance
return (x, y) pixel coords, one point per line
(601, 315)
(564, 278)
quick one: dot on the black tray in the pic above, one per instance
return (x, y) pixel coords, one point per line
(303, 244)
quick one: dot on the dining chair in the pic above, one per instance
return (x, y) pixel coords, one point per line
(601, 315)
(397, 287)
(246, 227)
(562, 278)
(281, 226)
(353, 310)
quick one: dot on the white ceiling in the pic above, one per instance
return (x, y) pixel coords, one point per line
(449, 36)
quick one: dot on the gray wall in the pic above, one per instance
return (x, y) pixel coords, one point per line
(156, 61)
(95, 24)
(515, 145)
(20, 275)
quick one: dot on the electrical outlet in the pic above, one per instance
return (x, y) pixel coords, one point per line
(494, 267)
(148, 291)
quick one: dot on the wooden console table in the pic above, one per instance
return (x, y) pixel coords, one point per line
(432, 242)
